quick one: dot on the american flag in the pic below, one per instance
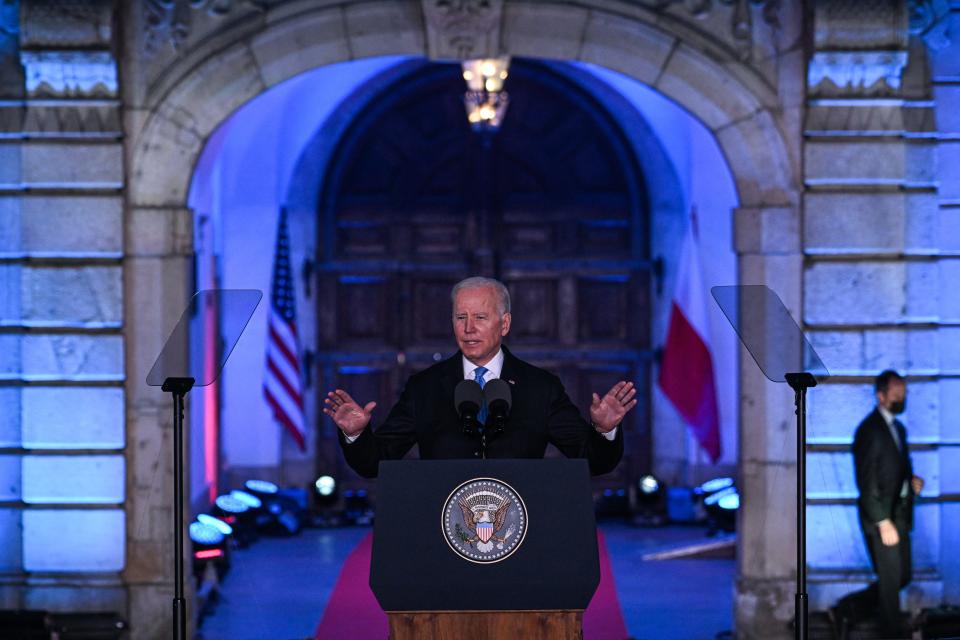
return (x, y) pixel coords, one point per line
(281, 384)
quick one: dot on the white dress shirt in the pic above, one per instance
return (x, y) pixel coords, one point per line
(494, 367)
(889, 418)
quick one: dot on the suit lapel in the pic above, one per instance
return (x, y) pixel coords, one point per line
(451, 373)
(884, 429)
(901, 433)
(509, 372)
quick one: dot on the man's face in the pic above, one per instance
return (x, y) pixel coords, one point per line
(478, 325)
(894, 397)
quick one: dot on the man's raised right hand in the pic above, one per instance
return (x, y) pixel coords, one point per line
(349, 416)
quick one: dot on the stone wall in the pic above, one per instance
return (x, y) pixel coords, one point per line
(845, 211)
(877, 293)
(62, 369)
(942, 34)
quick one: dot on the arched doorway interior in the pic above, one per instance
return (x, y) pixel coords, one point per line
(554, 204)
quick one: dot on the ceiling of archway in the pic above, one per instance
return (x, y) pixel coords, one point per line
(413, 148)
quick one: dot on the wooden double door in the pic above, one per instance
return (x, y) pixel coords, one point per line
(551, 205)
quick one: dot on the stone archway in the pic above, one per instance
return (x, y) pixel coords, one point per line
(172, 109)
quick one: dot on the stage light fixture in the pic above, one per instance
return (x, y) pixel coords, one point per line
(714, 485)
(205, 535)
(730, 502)
(325, 492)
(287, 516)
(252, 501)
(209, 546)
(356, 507)
(325, 486)
(273, 514)
(714, 498)
(650, 504)
(230, 507)
(276, 513)
(325, 495)
(238, 514)
(649, 485)
(612, 504)
(280, 513)
(721, 508)
(261, 487)
(703, 492)
(216, 523)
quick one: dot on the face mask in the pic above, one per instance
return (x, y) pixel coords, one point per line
(898, 407)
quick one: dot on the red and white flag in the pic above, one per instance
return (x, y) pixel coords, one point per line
(686, 370)
(282, 381)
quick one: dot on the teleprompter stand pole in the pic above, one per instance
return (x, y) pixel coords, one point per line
(800, 382)
(179, 388)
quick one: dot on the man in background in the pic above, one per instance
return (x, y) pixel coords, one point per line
(887, 488)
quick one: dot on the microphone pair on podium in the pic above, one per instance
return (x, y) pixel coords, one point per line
(469, 396)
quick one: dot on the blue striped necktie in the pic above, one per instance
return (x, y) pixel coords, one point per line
(478, 374)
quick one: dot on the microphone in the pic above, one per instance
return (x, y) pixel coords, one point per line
(467, 398)
(499, 399)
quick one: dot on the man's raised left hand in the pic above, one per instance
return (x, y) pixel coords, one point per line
(607, 412)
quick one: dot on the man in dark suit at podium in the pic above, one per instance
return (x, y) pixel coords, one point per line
(425, 414)
(887, 487)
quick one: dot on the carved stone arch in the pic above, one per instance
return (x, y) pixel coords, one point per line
(304, 190)
(662, 190)
(200, 90)
(706, 78)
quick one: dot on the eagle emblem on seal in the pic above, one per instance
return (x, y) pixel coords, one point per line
(484, 520)
(484, 513)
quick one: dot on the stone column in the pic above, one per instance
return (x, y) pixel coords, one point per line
(157, 274)
(768, 244)
(158, 234)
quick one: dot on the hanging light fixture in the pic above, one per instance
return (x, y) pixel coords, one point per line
(485, 99)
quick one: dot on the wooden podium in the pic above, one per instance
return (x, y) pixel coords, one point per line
(430, 590)
(484, 625)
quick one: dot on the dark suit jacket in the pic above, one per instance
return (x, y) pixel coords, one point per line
(541, 413)
(881, 468)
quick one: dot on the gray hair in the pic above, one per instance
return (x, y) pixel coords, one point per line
(479, 282)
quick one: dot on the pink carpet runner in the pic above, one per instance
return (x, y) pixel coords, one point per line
(353, 612)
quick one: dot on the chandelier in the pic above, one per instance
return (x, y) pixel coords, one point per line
(485, 100)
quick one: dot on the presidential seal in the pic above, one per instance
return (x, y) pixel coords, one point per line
(484, 520)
